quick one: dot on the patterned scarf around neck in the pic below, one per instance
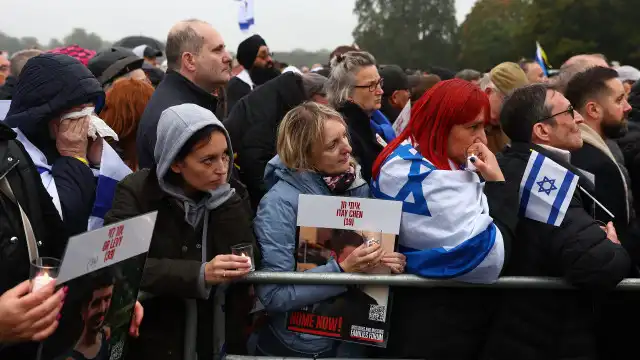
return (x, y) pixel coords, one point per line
(340, 183)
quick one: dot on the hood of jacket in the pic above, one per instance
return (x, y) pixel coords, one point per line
(176, 126)
(48, 85)
(306, 182)
(6, 90)
(264, 108)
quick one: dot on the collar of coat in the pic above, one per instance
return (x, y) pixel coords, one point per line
(200, 96)
(357, 119)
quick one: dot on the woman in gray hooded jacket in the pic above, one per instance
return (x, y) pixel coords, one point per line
(201, 214)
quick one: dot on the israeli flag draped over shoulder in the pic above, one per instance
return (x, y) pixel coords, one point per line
(112, 170)
(446, 231)
(546, 190)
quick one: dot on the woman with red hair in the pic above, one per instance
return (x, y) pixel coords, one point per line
(441, 169)
(124, 105)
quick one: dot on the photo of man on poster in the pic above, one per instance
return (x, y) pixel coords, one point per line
(354, 304)
(93, 343)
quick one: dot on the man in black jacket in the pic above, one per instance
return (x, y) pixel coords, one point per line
(599, 97)
(51, 85)
(254, 56)
(541, 324)
(25, 316)
(253, 124)
(198, 65)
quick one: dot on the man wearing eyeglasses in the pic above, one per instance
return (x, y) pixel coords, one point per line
(533, 324)
(254, 56)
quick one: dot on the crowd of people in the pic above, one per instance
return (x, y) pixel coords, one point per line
(222, 148)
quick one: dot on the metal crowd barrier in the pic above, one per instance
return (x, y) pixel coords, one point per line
(509, 282)
(246, 357)
(306, 278)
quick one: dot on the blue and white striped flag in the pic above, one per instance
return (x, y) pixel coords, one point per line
(446, 230)
(112, 170)
(541, 58)
(546, 190)
(245, 15)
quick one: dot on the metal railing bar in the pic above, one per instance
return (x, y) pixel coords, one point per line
(264, 277)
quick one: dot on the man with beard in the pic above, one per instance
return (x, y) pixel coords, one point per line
(94, 341)
(254, 56)
(599, 96)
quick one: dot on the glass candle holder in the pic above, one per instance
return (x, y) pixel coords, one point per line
(43, 271)
(245, 250)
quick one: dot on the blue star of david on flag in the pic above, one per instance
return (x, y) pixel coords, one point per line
(547, 190)
(411, 192)
(558, 185)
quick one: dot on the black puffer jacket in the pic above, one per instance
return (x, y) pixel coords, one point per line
(253, 128)
(546, 324)
(49, 85)
(6, 90)
(366, 147)
(17, 167)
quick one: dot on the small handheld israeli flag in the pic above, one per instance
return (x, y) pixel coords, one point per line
(546, 190)
(245, 15)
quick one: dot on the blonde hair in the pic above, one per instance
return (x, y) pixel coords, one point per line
(300, 132)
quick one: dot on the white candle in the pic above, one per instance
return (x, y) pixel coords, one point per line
(41, 281)
(248, 258)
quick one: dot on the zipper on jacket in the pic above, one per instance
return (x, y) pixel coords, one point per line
(9, 169)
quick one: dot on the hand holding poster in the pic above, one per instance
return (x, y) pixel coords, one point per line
(102, 270)
(334, 227)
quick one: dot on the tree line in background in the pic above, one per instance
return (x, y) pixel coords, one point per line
(423, 33)
(420, 34)
(93, 41)
(79, 36)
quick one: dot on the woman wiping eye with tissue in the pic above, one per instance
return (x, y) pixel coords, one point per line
(97, 126)
(55, 122)
(97, 129)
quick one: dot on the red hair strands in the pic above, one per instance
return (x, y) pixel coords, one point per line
(448, 103)
(125, 103)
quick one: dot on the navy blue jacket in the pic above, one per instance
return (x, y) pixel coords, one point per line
(175, 89)
(49, 85)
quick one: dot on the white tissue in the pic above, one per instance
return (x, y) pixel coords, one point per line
(97, 126)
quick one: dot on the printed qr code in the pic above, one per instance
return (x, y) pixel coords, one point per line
(378, 313)
(117, 351)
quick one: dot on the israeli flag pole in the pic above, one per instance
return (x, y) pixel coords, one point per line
(596, 202)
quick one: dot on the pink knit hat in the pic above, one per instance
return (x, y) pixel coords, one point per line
(75, 51)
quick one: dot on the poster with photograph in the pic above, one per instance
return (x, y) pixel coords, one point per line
(332, 227)
(102, 269)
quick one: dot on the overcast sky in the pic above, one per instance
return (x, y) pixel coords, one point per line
(285, 24)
